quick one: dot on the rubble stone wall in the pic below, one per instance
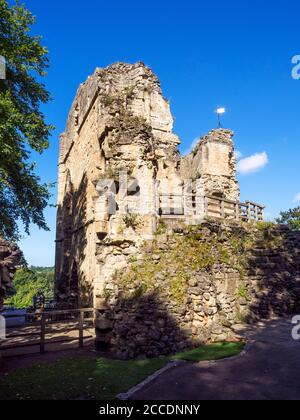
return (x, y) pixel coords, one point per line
(120, 123)
(158, 288)
(193, 285)
(10, 258)
(213, 162)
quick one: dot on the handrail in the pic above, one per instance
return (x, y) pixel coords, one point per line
(246, 212)
(255, 204)
(45, 326)
(62, 312)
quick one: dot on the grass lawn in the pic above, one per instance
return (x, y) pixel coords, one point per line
(210, 352)
(97, 378)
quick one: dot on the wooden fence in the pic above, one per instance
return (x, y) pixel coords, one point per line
(50, 327)
(226, 209)
(190, 205)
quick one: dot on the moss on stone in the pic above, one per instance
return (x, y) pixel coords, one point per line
(188, 252)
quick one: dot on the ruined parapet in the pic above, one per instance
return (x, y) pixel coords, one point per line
(10, 258)
(213, 164)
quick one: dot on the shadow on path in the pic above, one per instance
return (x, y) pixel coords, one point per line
(269, 370)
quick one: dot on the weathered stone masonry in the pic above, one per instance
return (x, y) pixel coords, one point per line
(10, 258)
(193, 285)
(120, 122)
(152, 294)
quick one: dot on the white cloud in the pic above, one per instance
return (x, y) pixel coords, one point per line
(238, 155)
(253, 163)
(297, 198)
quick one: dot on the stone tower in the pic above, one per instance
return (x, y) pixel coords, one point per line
(118, 162)
(117, 148)
(213, 164)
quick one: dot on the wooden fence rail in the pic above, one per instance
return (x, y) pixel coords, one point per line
(226, 209)
(59, 324)
(190, 204)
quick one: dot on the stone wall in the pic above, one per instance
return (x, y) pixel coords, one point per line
(10, 258)
(193, 284)
(155, 289)
(118, 165)
(213, 162)
(119, 123)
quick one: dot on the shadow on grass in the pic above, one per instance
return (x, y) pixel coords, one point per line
(100, 379)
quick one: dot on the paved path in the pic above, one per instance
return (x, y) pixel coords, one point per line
(269, 370)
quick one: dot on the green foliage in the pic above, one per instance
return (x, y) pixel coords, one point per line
(291, 218)
(161, 228)
(28, 282)
(178, 287)
(213, 351)
(129, 92)
(120, 100)
(108, 99)
(131, 220)
(243, 292)
(22, 124)
(262, 226)
(269, 236)
(192, 252)
(96, 378)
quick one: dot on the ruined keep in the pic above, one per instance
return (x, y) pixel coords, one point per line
(120, 123)
(120, 177)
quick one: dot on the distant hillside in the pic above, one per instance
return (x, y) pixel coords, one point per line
(28, 282)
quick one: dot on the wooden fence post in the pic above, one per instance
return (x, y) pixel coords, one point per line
(256, 214)
(43, 334)
(248, 211)
(81, 321)
(237, 211)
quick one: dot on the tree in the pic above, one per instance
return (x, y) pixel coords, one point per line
(29, 282)
(22, 125)
(290, 217)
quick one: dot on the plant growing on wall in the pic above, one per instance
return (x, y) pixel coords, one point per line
(131, 220)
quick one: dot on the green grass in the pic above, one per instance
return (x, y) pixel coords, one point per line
(97, 378)
(214, 351)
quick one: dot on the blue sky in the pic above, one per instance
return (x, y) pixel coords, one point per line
(236, 54)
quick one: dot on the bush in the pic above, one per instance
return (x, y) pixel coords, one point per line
(291, 218)
(27, 283)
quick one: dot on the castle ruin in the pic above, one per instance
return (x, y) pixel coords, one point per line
(120, 170)
(121, 174)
